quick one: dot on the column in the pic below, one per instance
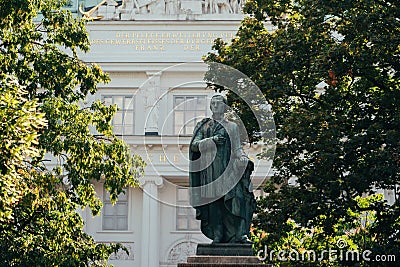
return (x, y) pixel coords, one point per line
(150, 221)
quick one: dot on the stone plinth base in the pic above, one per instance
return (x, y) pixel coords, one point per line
(225, 249)
(223, 255)
(222, 261)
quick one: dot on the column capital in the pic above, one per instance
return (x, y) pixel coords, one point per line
(157, 180)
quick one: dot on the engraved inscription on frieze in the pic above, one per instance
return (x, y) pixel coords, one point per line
(164, 40)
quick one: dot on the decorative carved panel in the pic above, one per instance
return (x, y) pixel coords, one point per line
(181, 251)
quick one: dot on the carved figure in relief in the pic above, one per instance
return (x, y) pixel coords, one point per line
(236, 6)
(210, 7)
(224, 6)
(171, 7)
(151, 106)
(129, 7)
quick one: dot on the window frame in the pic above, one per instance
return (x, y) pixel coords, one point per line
(190, 213)
(114, 208)
(185, 111)
(123, 112)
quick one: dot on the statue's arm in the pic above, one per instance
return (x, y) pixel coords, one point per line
(237, 148)
(200, 142)
(197, 139)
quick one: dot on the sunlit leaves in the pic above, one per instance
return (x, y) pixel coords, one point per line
(53, 144)
(20, 123)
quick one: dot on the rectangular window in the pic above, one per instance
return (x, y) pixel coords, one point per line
(188, 110)
(185, 215)
(123, 120)
(115, 217)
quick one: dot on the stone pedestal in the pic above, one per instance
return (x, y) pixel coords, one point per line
(223, 255)
(225, 249)
(222, 261)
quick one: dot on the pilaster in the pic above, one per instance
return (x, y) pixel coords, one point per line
(150, 221)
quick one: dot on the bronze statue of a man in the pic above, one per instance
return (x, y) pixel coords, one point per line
(220, 185)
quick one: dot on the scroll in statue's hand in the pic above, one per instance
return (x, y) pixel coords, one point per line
(218, 139)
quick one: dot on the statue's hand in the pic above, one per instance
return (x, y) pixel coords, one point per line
(218, 139)
(243, 160)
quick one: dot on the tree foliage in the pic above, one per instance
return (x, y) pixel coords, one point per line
(53, 145)
(20, 123)
(330, 70)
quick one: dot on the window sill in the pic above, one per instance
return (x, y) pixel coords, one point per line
(114, 232)
(186, 232)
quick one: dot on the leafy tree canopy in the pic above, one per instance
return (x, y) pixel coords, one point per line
(53, 145)
(330, 70)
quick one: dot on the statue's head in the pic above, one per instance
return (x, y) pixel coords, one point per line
(218, 104)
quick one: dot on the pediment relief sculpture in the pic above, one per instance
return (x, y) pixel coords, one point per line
(128, 9)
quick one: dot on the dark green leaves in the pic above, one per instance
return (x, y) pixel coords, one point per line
(341, 140)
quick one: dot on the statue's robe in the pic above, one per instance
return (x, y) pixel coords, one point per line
(220, 187)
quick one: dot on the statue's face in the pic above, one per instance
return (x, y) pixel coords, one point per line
(217, 105)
